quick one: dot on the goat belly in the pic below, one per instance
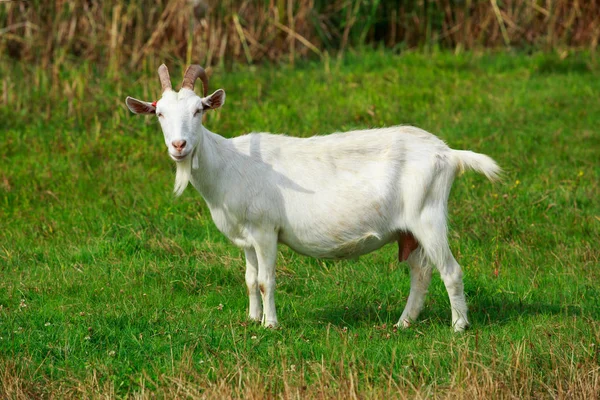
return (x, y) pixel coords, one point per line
(336, 247)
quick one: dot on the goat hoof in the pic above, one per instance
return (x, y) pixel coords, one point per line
(271, 324)
(254, 319)
(461, 325)
(402, 324)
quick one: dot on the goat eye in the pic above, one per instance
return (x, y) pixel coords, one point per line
(197, 112)
(159, 115)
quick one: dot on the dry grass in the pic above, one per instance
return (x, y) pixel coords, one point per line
(132, 34)
(475, 376)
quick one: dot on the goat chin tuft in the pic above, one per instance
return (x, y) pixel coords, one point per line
(182, 176)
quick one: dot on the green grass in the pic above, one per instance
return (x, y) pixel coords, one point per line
(110, 286)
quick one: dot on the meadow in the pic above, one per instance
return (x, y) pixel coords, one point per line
(111, 287)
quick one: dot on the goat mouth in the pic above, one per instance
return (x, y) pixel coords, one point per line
(179, 158)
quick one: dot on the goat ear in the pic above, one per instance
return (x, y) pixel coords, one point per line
(139, 107)
(215, 100)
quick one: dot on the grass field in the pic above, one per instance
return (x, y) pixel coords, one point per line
(110, 287)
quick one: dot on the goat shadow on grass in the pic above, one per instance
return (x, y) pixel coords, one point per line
(486, 307)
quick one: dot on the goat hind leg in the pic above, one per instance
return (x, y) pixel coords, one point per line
(431, 233)
(451, 273)
(420, 277)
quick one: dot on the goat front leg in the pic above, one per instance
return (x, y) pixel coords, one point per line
(266, 253)
(255, 306)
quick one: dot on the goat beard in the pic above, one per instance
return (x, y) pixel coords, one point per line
(183, 175)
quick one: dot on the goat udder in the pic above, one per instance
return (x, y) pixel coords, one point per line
(406, 244)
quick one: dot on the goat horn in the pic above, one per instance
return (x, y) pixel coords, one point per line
(165, 79)
(192, 73)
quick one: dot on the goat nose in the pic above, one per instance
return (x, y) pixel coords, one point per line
(179, 144)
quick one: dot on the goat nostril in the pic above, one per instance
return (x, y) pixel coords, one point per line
(179, 144)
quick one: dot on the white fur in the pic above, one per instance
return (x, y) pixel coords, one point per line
(336, 196)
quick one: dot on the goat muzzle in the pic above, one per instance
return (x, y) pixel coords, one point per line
(179, 145)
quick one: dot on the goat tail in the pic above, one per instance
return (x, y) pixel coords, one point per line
(478, 162)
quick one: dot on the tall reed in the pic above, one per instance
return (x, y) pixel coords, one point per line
(138, 33)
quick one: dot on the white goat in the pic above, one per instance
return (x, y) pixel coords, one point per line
(336, 196)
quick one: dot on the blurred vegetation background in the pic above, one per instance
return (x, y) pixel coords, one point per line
(119, 34)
